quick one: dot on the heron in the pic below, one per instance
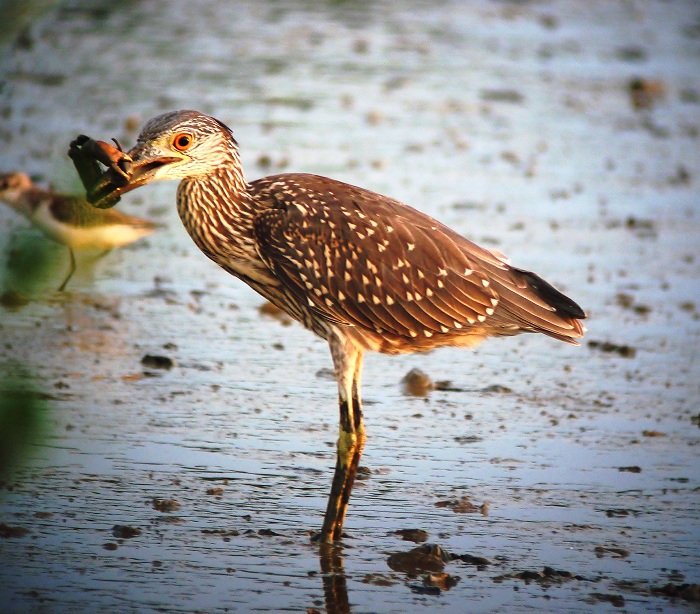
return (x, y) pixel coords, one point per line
(71, 220)
(361, 270)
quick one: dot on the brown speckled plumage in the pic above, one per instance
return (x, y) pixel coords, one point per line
(361, 270)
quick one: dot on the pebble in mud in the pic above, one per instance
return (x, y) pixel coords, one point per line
(547, 576)
(7, 530)
(464, 506)
(416, 536)
(417, 383)
(625, 351)
(645, 93)
(620, 553)
(688, 592)
(123, 531)
(425, 558)
(165, 505)
(152, 361)
(435, 583)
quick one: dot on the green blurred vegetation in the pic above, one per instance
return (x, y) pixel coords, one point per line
(23, 415)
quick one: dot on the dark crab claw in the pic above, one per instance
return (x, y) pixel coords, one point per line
(102, 168)
(125, 171)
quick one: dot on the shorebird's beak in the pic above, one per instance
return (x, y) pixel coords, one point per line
(147, 163)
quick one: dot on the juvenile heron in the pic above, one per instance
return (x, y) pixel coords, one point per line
(71, 220)
(361, 270)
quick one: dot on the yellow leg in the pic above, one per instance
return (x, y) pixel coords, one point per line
(347, 359)
(350, 446)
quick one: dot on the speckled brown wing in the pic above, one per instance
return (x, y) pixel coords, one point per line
(362, 259)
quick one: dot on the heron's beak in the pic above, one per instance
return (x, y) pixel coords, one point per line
(146, 164)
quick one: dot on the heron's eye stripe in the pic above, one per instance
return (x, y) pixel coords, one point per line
(183, 141)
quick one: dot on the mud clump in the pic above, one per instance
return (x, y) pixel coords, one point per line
(165, 505)
(687, 592)
(626, 351)
(417, 536)
(7, 531)
(645, 93)
(122, 531)
(417, 383)
(547, 576)
(425, 558)
(152, 361)
(630, 469)
(464, 506)
(617, 601)
(618, 553)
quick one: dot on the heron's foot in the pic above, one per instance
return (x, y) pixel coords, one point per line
(326, 540)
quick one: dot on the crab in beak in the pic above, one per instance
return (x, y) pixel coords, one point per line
(107, 172)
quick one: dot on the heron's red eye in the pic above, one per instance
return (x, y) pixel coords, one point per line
(183, 141)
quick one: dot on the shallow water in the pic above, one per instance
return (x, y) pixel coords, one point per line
(513, 124)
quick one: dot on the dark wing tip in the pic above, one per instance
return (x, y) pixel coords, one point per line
(561, 303)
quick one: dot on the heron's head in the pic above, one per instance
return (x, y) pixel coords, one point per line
(175, 145)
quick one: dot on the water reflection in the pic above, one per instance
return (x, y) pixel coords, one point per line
(335, 589)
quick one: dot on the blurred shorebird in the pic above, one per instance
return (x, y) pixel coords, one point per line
(361, 270)
(71, 220)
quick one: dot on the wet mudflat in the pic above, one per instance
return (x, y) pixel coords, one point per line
(184, 441)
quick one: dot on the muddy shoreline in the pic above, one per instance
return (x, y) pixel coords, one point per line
(536, 476)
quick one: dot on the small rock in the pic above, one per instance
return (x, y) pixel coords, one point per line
(498, 389)
(123, 531)
(157, 362)
(625, 351)
(505, 95)
(617, 513)
(417, 536)
(416, 383)
(10, 299)
(377, 579)
(619, 553)
(464, 506)
(617, 601)
(425, 558)
(7, 530)
(645, 93)
(443, 580)
(471, 559)
(688, 592)
(165, 505)
(630, 469)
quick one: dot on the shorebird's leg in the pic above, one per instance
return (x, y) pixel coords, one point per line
(347, 359)
(70, 273)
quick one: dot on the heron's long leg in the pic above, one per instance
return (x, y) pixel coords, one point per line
(347, 359)
(70, 273)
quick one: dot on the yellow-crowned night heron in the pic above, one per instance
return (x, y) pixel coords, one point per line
(361, 270)
(71, 220)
